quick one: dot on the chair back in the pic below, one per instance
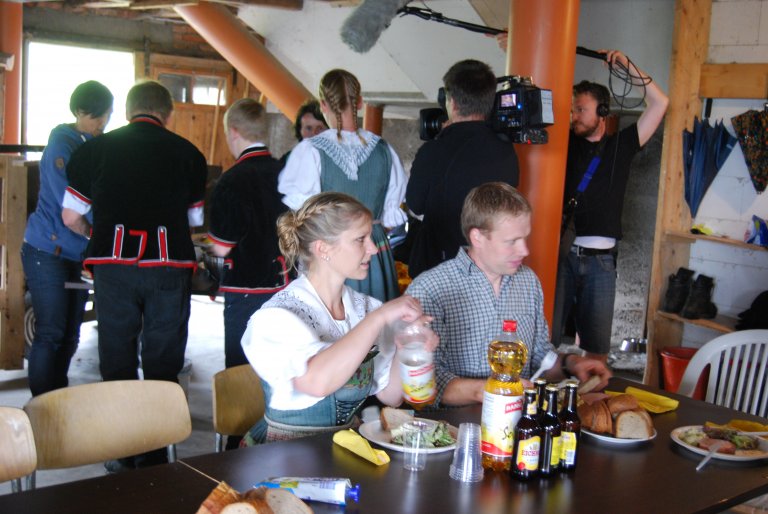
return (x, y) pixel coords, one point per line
(238, 401)
(18, 457)
(92, 423)
(738, 371)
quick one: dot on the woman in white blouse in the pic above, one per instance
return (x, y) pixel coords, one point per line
(351, 160)
(320, 347)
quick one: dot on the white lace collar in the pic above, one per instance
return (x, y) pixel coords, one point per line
(349, 153)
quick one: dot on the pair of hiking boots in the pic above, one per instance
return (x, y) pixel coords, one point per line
(691, 299)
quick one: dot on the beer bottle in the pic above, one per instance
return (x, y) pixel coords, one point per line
(527, 441)
(540, 384)
(570, 428)
(551, 442)
(502, 398)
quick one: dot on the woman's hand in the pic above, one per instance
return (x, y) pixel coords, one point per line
(405, 308)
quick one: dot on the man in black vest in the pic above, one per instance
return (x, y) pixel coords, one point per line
(466, 153)
(146, 187)
(587, 275)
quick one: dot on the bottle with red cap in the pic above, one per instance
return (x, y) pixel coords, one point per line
(503, 397)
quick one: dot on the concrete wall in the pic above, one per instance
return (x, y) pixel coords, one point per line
(739, 34)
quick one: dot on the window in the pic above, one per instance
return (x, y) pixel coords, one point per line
(195, 89)
(53, 73)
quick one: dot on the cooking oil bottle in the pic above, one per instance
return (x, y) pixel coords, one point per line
(503, 397)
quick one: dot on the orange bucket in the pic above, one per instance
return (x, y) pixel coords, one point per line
(674, 360)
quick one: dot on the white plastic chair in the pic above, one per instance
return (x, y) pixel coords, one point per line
(738, 371)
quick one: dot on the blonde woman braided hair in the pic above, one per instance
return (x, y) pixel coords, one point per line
(340, 90)
(322, 217)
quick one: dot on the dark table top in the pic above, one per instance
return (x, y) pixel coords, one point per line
(657, 476)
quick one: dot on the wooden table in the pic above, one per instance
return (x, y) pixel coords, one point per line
(655, 477)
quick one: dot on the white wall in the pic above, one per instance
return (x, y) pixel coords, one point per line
(642, 29)
(739, 33)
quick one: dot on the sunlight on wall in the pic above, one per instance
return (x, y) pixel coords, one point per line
(56, 70)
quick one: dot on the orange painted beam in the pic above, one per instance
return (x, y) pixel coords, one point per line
(228, 35)
(11, 21)
(373, 117)
(542, 45)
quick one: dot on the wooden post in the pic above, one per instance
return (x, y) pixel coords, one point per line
(542, 45)
(13, 207)
(690, 47)
(11, 14)
(373, 118)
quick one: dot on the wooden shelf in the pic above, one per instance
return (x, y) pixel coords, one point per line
(720, 323)
(686, 237)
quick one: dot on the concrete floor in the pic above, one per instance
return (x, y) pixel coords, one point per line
(205, 349)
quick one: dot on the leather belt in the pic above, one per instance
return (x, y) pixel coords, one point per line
(581, 251)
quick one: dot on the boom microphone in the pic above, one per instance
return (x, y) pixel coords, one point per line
(364, 26)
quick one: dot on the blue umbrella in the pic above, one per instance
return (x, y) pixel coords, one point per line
(704, 152)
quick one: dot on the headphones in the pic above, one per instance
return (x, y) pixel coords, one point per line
(603, 110)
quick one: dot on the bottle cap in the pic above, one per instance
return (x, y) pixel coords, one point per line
(353, 493)
(542, 381)
(552, 387)
(509, 325)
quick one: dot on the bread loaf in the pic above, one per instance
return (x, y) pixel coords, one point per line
(622, 402)
(393, 418)
(596, 417)
(261, 500)
(633, 424)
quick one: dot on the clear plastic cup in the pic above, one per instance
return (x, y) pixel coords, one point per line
(467, 463)
(414, 444)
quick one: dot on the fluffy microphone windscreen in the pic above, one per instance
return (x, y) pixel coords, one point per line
(364, 26)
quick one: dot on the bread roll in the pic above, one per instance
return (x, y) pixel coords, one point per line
(622, 402)
(240, 508)
(596, 417)
(633, 424)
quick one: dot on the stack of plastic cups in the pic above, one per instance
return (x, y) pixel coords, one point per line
(467, 463)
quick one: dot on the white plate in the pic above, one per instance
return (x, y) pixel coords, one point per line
(615, 440)
(676, 433)
(374, 433)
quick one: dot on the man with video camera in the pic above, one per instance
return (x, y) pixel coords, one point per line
(465, 154)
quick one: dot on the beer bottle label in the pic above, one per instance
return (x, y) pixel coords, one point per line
(418, 382)
(499, 418)
(527, 457)
(568, 454)
(557, 451)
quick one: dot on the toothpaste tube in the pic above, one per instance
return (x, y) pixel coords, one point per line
(327, 490)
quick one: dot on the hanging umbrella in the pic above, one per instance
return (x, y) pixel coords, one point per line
(705, 149)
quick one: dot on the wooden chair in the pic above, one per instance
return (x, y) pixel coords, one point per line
(98, 422)
(738, 371)
(18, 457)
(238, 402)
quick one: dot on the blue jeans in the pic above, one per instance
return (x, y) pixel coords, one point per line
(586, 284)
(151, 302)
(238, 309)
(58, 315)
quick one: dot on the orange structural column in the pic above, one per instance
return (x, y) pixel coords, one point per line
(228, 35)
(11, 20)
(542, 44)
(373, 118)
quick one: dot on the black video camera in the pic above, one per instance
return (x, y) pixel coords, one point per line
(520, 111)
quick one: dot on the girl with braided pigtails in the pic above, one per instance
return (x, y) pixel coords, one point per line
(321, 348)
(348, 159)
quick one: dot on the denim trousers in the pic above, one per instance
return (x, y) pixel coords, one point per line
(146, 311)
(58, 315)
(238, 309)
(586, 286)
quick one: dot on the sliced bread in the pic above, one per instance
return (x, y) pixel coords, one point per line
(622, 402)
(633, 424)
(394, 418)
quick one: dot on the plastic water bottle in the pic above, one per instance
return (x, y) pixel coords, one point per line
(417, 368)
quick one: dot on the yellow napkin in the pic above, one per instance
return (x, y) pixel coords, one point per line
(651, 402)
(742, 425)
(355, 443)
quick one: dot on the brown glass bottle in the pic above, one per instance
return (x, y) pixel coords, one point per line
(527, 442)
(540, 384)
(551, 442)
(502, 398)
(570, 428)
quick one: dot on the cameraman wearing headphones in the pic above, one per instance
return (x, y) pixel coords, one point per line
(596, 178)
(465, 154)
